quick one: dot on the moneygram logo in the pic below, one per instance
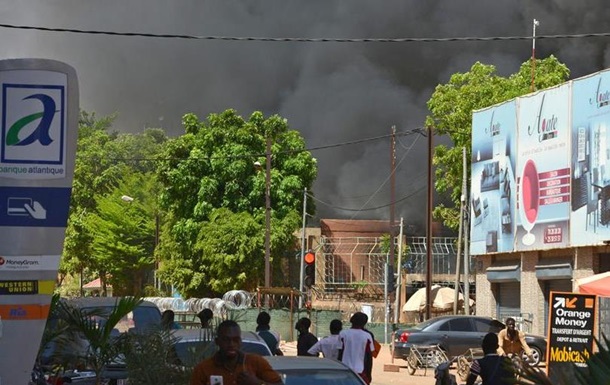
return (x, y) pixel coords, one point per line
(33, 128)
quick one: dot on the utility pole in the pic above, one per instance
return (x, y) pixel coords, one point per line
(268, 216)
(303, 245)
(535, 24)
(458, 258)
(398, 270)
(429, 231)
(467, 259)
(392, 195)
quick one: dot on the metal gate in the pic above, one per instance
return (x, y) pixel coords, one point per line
(509, 300)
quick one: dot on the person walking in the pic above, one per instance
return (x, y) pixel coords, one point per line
(492, 368)
(355, 344)
(167, 321)
(205, 317)
(306, 339)
(231, 366)
(511, 341)
(329, 345)
(271, 337)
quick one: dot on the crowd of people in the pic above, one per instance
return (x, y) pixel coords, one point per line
(356, 347)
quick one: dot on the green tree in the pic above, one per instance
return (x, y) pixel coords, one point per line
(103, 158)
(451, 106)
(123, 238)
(215, 201)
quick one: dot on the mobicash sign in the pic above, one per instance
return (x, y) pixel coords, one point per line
(38, 130)
(572, 320)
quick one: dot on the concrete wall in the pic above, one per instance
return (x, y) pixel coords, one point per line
(585, 262)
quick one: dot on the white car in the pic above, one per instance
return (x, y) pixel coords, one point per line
(313, 370)
(193, 345)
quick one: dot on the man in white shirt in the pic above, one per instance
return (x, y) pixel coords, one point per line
(329, 346)
(355, 343)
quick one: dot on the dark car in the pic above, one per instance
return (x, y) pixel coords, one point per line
(456, 334)
(313, 370)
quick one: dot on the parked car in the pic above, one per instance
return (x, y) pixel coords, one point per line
(313, 370)
(456, 334)
(193, 345)
(145, 316)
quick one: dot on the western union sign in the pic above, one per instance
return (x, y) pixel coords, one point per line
(26, 287)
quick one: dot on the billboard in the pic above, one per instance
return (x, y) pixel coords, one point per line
(571, 329)
(590, 159)
(492, 203)
(39, 127)
(540, 169)
(543, 164)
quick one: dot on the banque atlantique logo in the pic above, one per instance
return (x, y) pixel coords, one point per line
(41, 133)
(33, 131)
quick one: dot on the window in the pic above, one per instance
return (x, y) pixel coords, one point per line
(460, 325)
(488, 325)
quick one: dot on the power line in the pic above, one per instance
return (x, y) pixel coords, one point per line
(287, 152)
(307, 40)
(367, 209)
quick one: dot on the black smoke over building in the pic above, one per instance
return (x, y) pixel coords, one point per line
(331, 92)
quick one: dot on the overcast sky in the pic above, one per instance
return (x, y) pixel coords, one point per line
(331, 92)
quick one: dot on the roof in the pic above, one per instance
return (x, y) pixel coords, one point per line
(95, 284)
(307, 363)
(354, 228)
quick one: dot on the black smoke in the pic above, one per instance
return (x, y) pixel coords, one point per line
(331, 92)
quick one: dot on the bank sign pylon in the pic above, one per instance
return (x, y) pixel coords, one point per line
(38, 131)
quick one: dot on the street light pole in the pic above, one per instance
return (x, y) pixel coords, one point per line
(303, 244)
(268, 214)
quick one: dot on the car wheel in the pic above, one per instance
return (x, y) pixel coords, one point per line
(536, 354)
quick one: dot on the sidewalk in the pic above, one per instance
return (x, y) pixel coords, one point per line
(381, 377)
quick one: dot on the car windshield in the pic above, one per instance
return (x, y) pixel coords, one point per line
(142, 317)
(191, 352)
(319, 377)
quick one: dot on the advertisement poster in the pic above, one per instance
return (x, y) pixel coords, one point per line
(571, 330)
(493, 188)
(543, 170)
(39, 128)
(590, 215)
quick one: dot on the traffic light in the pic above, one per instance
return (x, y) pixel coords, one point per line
(310, 269)
(390, 278)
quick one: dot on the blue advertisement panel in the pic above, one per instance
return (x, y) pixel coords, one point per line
(493, 188)
(543, 170)
(590, 216)
(38, 133)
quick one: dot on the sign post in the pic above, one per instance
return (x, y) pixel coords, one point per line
(571, 331)
(39, 126)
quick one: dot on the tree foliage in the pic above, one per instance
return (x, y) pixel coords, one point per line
(451, 106)
(214, 198)
(108, 165)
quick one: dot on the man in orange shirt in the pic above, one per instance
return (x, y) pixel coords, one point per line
(512, 341)
(230, 366)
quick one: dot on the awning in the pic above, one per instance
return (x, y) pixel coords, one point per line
(500, 274)
(556, 271)
(596, 284)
